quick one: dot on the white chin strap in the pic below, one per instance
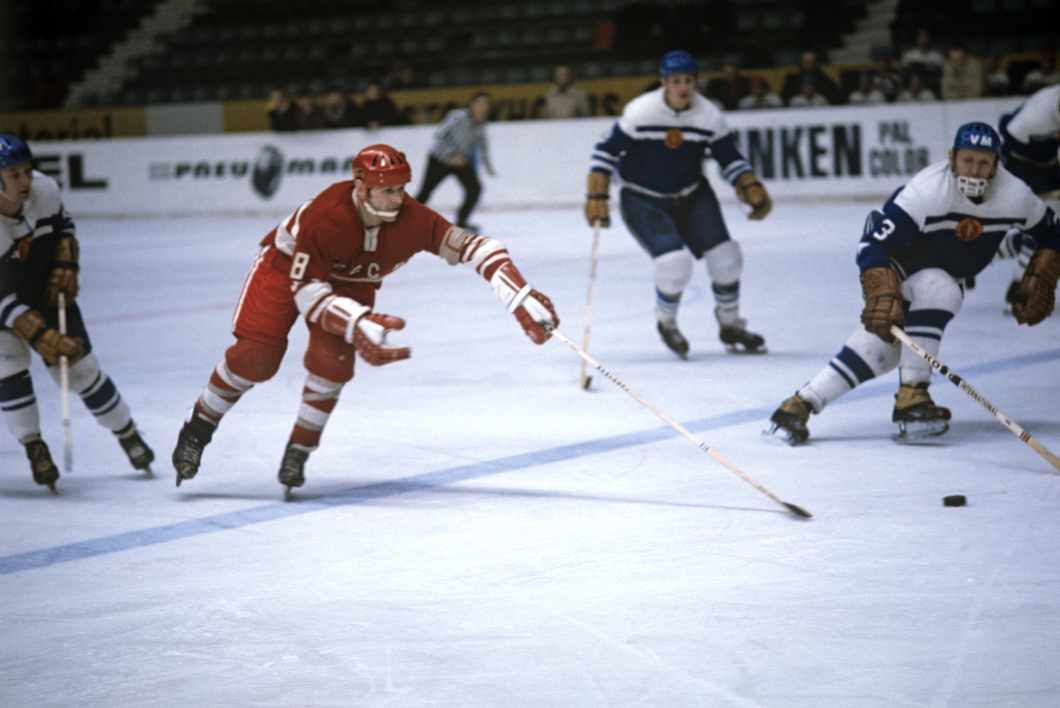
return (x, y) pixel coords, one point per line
(972, 187)
(379, 212)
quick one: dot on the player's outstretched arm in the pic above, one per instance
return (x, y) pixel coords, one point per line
(1036, 297)
(750, 191)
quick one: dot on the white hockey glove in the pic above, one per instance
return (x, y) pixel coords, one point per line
(369, 338)
(531, 308)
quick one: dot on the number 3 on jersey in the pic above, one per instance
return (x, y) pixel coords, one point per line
(884, 228)
(299, 265)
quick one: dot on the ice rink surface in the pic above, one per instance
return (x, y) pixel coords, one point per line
(477, 530)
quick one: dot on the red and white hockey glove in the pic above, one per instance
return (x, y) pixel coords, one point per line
(364, 329)
(531, 308)
(369, 338)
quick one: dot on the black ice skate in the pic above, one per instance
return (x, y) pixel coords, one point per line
(791, 418)
(194, 436)
(740, 341)
(674, 339)
(40, 461)
(292, 469)
(140, 455)
(917, 415)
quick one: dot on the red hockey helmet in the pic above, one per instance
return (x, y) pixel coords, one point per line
(381, 166)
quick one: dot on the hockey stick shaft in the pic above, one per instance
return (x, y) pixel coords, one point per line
(64, 387)
(677, 426)
(589, 300)
(976, 396)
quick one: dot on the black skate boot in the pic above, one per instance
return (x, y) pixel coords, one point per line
(739, 341)
(917, 415)
(292, 469)
(791, 417)
(194, 436)
(140, 455)
(40, 461)
(674, 339)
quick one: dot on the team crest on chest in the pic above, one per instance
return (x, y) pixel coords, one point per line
(673, 139)
(969, 229)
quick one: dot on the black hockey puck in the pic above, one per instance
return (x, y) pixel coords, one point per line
(955, 500)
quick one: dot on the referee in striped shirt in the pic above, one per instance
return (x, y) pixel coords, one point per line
(460, 143)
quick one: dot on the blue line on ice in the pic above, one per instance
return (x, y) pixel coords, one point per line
(269, 512)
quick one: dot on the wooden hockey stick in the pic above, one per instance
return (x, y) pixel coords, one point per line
(64, 386)
(799, 511)
(586, 379)
(978, 397)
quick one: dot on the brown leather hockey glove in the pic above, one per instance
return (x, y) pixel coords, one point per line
(1037, 293)
(63, 275)
(596, 200)
(883, 302)
(49, 342)
(751, 192)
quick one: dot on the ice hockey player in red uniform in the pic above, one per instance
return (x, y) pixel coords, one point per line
(324, 263)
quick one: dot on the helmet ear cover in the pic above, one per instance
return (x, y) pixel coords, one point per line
(381, 166)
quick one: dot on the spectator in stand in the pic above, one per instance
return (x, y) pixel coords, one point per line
(339, 111)
(378, 110)
(995, 81)
(886, 79)
(401, 76)
(809, 69)
(565, 99)
(459, 145)
(760, 96)
(962, 76)
(924, 59)
(867, 91)
(703, 89)
(916, 91)
(281, 112)
(730, 87)
(1045, 74)
(307, 113)
(808, 96)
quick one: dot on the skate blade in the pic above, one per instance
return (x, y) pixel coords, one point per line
(733, 349)
(775, 432)
(913, 432)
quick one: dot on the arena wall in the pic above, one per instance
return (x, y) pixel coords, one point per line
(845, 152)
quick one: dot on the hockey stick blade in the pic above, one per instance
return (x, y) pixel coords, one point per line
(976, 396)
(797, 510)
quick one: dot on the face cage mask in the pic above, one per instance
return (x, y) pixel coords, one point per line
(972, 187)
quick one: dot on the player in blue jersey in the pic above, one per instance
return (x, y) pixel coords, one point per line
(656, 149)
(945, 225)
(1030, 149)
(39, 260)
